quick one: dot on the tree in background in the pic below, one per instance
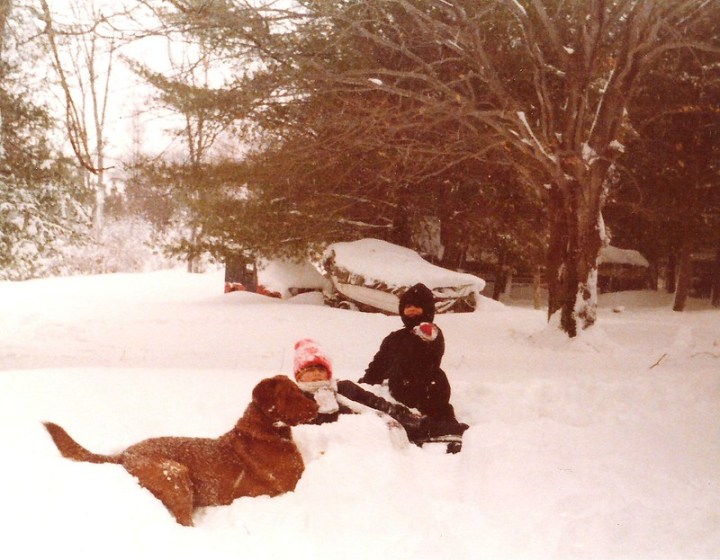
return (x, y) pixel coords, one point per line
(668, 201)
(336, 162)
(546, 83)
(44, 207)
(540, 84)
(82, 53)
(207, 111)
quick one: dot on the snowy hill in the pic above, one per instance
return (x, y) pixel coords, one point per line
(607, 446)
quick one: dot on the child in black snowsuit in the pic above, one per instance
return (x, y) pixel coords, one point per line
(409, 359)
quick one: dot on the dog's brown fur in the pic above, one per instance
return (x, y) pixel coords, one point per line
(257, 457)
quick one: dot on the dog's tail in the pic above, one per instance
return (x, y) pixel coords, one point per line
(71, 449)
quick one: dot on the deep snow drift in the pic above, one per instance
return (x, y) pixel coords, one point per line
(607, 446)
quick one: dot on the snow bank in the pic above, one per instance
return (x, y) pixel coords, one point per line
(604, 446)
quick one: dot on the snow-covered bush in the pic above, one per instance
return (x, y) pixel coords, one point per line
(36, 226)
(125, 245)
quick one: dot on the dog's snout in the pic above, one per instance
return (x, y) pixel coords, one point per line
(305, 406)
(313, 409)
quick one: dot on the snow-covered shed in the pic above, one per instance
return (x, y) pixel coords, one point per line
(622, 269)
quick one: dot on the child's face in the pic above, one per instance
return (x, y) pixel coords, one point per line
(313, 373)
(412, 311)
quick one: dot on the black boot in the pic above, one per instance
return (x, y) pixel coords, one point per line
(454, 447)
(434, 427)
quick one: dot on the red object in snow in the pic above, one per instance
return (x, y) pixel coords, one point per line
(234, 287)
(262, 290)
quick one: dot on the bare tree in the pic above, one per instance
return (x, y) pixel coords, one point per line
(83, 60)
(187, 91)
(542, 86)
(545, 84)
(6, 7)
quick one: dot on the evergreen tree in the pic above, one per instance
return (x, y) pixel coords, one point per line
(668, 201)
(43, 205)
(385, 102)
(338, 162)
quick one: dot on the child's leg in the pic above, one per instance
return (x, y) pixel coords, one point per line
(358, 394)
(443, 429)
(411, 422)
(439, 411)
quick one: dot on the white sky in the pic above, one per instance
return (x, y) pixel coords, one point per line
(128, 94)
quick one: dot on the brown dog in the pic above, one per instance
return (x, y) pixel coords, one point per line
(258, 456)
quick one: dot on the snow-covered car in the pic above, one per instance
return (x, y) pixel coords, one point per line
(371, 275)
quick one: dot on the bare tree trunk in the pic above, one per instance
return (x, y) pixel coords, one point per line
(652, 279)
(715, 298)
(537, 297)
(575, 242)
(99, 105)
(99, 208)
(454, 240)
(401, 233)
(684, 277)
(671, 274)
(194, 255)
(500, 277)
(507, 292)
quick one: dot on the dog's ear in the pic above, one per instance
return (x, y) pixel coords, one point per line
(264, 392)
(282, 400)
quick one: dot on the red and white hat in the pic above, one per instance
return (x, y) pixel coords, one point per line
(308, 353)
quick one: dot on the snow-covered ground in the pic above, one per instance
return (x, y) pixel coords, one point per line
(607, 446)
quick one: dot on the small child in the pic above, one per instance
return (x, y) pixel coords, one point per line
(313, 373)
(409, 361)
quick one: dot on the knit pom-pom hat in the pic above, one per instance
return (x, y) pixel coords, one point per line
(308, 353)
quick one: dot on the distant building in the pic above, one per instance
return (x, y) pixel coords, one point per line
(622, 269)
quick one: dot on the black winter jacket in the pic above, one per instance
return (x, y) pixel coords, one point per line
(412, 365)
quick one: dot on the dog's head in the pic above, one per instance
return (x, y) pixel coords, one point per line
(281, 400)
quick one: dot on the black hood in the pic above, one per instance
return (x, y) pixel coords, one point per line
(419, 296)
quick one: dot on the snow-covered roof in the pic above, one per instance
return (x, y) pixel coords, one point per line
(615, 255)
(382, 262)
